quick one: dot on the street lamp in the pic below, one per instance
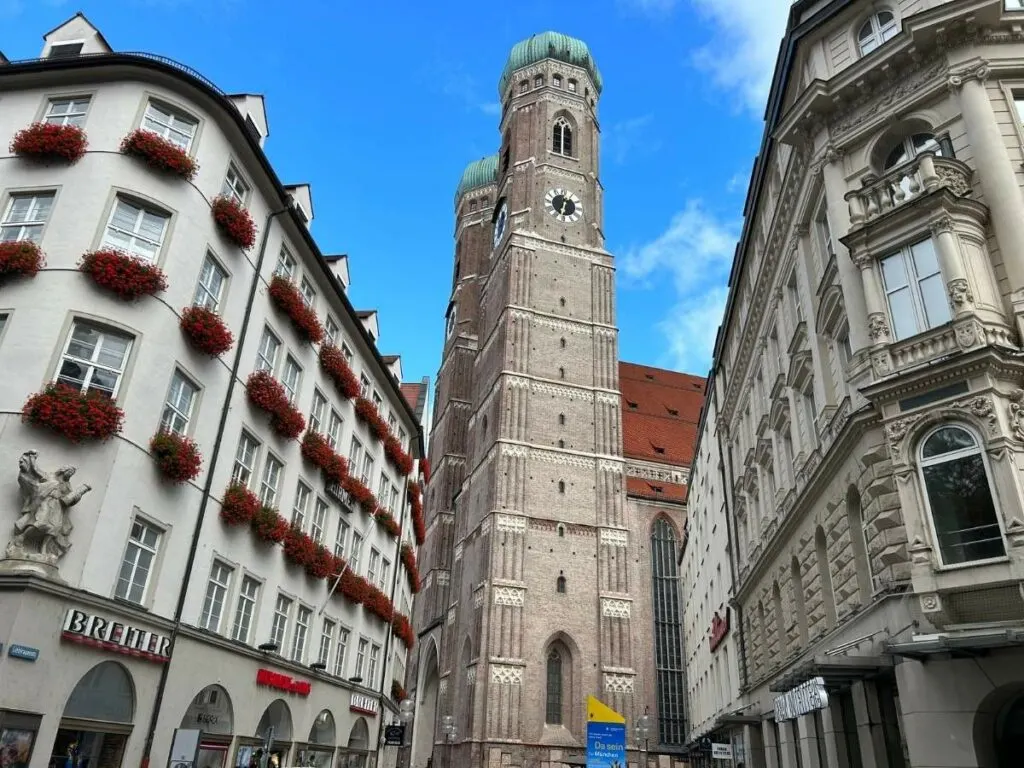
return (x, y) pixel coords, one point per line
(643, 732)
(406, 712)
(450, 733)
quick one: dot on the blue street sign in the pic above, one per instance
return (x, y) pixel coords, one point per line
(606, 745)
(23, 652)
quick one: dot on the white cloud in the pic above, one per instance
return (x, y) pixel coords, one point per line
(694, 252)
(741, 58)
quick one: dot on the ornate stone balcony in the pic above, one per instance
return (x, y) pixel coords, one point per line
(925, 173)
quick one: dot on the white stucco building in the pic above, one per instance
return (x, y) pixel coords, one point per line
(232, 638)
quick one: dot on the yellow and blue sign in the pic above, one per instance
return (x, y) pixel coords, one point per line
(606, 736)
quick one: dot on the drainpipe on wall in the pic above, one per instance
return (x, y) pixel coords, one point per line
(205, 500)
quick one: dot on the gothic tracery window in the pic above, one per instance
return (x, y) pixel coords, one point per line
(553, 714)
(668, 650)
(561, 137)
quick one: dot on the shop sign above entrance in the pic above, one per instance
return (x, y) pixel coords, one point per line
(367, 705)
(276, 680)
(806, 697)
(721, 751)
(99, 632)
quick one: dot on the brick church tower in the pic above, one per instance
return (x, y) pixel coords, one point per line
(531, 565)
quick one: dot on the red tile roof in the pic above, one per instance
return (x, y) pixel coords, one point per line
(415, 393)
(656, 490)
(660, 411)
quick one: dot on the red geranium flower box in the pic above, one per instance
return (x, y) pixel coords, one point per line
(334, 364)
(239, 506)
(403, 630)
(323, 564)
(49, 141)
(206, 331)
(159, 153)
(397, 691)
(288, 299)
(73, 415)
(360, 494)
(388, 521)
(425, 469)
(266, 393)
(367, 412)
(128, 277)
(409, 561)
(416, 505)
(377, 603)
(177, 456)
(20, 258)
(397, 455)
(299, 547)
(317, 451)
(269, 526)
(234, 221)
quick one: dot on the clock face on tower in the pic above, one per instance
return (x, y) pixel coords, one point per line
(563, 205)
(500, 222)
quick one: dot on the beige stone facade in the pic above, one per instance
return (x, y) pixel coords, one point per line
(867, 377)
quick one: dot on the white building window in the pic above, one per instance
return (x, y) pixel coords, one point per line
(302, 620)
(959, 497)
(291, 376)
(67, 111)
(266, 355)
(279, 626)
(341, 539)
(364, 385)
(334, 430)
(25, 216)
(371, 570)
(135, 230)
(556, 81)
(308, 292)
(385, 572)
(285, 264)
(181, 398)
(316, 529)
(355, 454)
(339, 658)
(300, 509)
(235, 186)
(572, 86)
(94, 358)
(879, 28)
(271, 482)
(331, 330)
(176, 127)
(357, 550)
(367, 468)
(245, 611)
(216, 592)
(245, 459)
(382, 489)
(323, 655)
(371, 672)
(137, 563)
(210, 289)
(361, 656)
(346, 352)
(915, 290)
(393, 503)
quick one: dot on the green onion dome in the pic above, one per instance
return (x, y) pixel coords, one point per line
(549, 45)
(479, 173)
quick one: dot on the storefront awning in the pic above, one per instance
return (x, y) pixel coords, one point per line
(957, 643)
(837, 671)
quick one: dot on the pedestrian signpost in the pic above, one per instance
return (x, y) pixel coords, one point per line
(606, 736)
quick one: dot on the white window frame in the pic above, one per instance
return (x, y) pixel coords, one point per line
(159, 118)
(32, 226)
(368, 463)
(318, 524)
(179, 404)
(291, 378)
(327, 628)
(914, 280)
(341, 650)
(371, 667)
(371, 566)
(331, 330)
(247, 455)
(316, 412)
(880, 33)
(300, 508)
(92, 364)
(268, 352)
(355, 454)
(135, 235)
(341, 539)
(135, 551)
(308, 291)
(361, 651)
(286, 264)
(235, 186)
(246, 609)
(210, 286)
(77, 109)
(301, 634)
(385, 572)
(282, 618)
(218, 586)
(357, 551)
(270, 480)
(334, 427)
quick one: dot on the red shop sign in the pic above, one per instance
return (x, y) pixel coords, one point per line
(272, 679)
(719, 629)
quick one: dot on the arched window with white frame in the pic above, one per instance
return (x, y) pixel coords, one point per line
(910, 147)
(958, 495)
(878, 28)
(561, 137)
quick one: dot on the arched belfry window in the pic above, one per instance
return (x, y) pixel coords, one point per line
(553, 714)
(877, 29)
(959, 497)
(561, 137)
(668, 633)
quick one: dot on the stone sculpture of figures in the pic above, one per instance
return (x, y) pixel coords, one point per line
(43, 532)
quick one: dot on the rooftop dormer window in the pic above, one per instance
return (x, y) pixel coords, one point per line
(64, 50)
(879, 28)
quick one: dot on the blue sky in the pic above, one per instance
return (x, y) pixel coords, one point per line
(380, 105)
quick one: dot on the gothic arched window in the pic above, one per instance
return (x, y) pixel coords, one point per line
(959, 497)
(561, 137)
(560, 581)
(668, 633)
(879, 28)
(553, 715)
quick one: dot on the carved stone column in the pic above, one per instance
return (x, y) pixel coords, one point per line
(995, 173)
(771, 755)
(959, 289)
(874, 300)
(839, 221)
